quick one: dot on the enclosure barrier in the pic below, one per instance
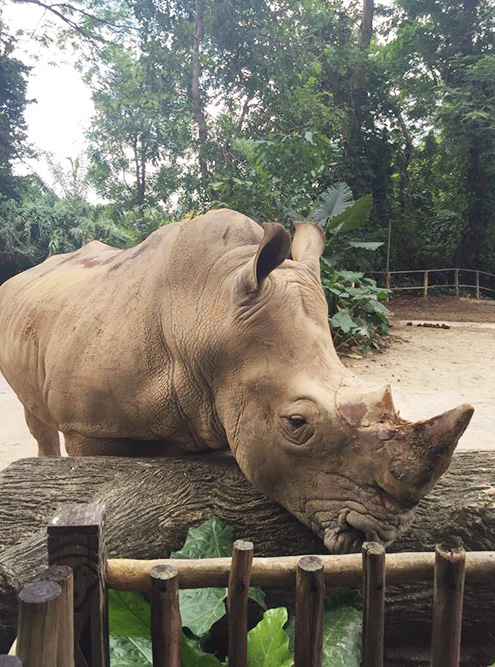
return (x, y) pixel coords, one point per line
(49, 635)
(427, 284)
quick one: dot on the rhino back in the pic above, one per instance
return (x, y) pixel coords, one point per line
(102, 341)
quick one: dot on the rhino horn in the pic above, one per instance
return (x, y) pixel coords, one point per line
(360, 405)
(419, 453)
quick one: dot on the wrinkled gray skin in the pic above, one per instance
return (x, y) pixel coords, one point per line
(205, 337)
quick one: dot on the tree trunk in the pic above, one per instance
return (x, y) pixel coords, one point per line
(196, 94)
(150, 504)
(351, 129)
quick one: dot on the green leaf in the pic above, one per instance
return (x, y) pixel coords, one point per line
(200, 608)
(349, 276)
(342, 320)
(366, 245)
(354, 217)
(268, 644)
(130, 652)
(256, 594)
(342, 637)
(193, 656)
(333, 202)
(129, 614)
(213, 539)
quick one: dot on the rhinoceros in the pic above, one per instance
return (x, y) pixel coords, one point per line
(206, 337)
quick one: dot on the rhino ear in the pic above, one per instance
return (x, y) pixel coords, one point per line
(272, 251)
(308, 245)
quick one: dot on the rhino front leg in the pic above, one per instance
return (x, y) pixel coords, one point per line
(46, 436)
(82, 445)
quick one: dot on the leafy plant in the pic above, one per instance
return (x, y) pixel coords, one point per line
(357, 315)
(268, 642)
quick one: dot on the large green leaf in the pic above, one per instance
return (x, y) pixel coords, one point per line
(213, 539)
(333, 202)
(353, 217)
(200, 608)
(268, 644)
(366, 245)
(342, 637)
(129, 614)
(343, 321)
(130, 652)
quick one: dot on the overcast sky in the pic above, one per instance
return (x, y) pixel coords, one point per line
(59, 117)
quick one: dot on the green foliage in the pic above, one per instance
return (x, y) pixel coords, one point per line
(268, 641)
(130, 615)
(268, 644)
(202, 607)
(13, 102)
(359, 316)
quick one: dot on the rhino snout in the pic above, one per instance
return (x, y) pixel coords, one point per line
(355, 528)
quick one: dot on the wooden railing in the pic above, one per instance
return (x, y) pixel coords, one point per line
(427, 284)
(79, 574)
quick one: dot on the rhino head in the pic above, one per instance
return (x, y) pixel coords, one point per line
(306, 431)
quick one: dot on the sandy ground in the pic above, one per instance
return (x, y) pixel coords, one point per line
(430, 370)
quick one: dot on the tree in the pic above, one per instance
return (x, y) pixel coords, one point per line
(13, 102)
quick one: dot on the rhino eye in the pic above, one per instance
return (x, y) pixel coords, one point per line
(297, 421)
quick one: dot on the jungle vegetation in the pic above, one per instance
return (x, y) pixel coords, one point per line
(264, 106)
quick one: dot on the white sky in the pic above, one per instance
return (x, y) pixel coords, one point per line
(59, 117)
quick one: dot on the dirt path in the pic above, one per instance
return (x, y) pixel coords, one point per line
(430, 370)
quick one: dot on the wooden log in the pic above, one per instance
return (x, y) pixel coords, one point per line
(166, 625)
(151, 503)
(373, 604)
(310, 599)
(76, 538)
(39, 605)
(239, 579)
(62, 575)
(447, 606)
(280, 571)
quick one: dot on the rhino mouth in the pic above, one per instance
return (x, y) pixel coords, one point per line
(355, 528)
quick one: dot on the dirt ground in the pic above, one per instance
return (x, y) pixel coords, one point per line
(430, 370)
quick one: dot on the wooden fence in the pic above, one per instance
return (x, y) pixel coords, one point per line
(479, 284)
(49, 635)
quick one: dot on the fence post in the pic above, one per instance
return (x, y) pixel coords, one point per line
(456, 282)
(76, 537)
(310, 598)
(425, 284)
(240, 575)
(39, 605)
(374, 604)
(62, 575)
(447, 606)
(166, 625)
(477, 284)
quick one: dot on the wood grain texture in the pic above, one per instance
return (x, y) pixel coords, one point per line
(39, 607)
(239, 578)
(310, 600)
(448, 593)
(150, 504)
(76, 538)
(166, 625)
(63, 576)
